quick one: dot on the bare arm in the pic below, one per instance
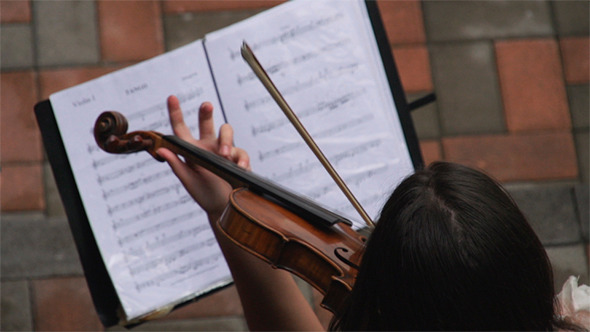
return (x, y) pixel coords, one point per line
(270, 297)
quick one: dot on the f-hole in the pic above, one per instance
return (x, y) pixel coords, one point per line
(338, 254)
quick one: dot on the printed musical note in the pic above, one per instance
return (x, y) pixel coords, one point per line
(321, 107)
(194, 265)
(151, 211)
(354, 151)
(356, 180)
(140, 234)
(321, 76)
(297, 60)
(105, 160)
(118, 173)
(134, 184)
(306, 167)
(262, 156)
(291, 33)
(169, 258)
(178, 236)
(143, 113)
(328, 132)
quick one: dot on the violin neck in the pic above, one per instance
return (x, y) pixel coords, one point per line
(239, 177)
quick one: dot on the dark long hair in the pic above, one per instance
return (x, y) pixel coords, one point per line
(451, 251)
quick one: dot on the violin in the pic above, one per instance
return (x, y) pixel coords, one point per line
(281, 228)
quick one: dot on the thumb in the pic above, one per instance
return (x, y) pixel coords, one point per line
(180, 169)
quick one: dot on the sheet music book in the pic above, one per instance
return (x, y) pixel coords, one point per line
(139, 234)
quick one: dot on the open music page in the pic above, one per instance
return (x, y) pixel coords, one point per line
(155, 241)
(323, 58)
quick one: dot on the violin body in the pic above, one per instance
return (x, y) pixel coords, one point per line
(325, 257)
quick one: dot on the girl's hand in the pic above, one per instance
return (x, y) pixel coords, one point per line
(207, 189)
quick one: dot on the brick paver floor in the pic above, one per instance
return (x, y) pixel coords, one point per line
(511, 79)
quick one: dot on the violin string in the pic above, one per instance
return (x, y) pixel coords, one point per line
(250, 58)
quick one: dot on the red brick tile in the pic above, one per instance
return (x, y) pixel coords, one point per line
(181, 6)
(532, 85)
(22, 187)
(223, 303)
(51, 81)
(431, 151)
(516, 157)
(21, 139)
(414, 68)
(125, 39)
(576, 57)
(324, 315)
(64, 304)
(403, 21)
(15, 11)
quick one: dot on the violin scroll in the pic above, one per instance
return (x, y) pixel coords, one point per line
(110, 133)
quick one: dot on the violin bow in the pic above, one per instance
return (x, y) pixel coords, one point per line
(253, 62)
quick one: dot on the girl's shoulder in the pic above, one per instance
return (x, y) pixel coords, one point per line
(574, 302)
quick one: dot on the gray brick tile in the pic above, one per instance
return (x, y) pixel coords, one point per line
(180, 29)
(461, 20)
(66, 32)
(579, 102)
(581, 139)
(551, 211)
(467, 89)
(16, 307)
(425, 119)
(37, 247)
(572, 17)
(16, 46)
(568, 261)
(582, 192)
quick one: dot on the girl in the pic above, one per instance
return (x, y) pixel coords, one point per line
(451, 250)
